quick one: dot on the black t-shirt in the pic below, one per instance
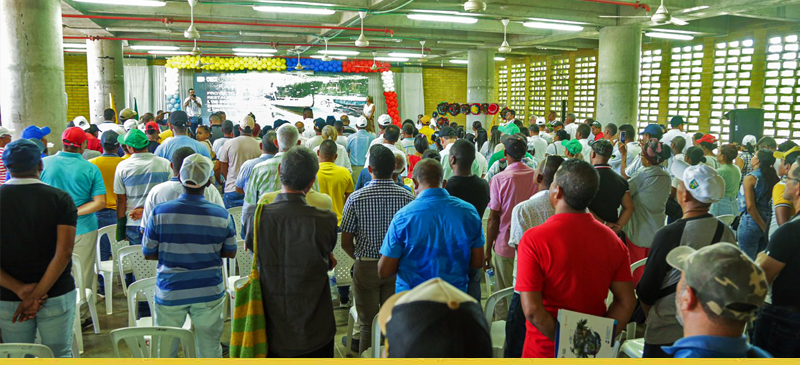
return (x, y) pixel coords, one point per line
(609, 195)
(152, 146)
(216, 133)
(29, 218)
(472, 189)
(784, 247)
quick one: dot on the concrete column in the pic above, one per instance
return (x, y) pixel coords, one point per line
(618, 74)
(106, 76)
(32, 66)
(480, 83)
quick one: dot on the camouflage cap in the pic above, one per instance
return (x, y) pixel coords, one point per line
(725, 279)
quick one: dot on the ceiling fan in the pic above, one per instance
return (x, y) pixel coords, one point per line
(326, 57)
(191, 32)
(661, 17)
(197, 52)
(362, 40)
(374, 63)
(470, 6)
(299, 66)
(422, 52)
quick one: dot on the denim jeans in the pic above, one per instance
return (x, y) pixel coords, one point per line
(750, 236)
(778, 331)
(207, 319)
(195, 121)
(474, 286)
(515, 329)
(134, 236)
(54, 322)
(105, 217)
(724, 206)
(233, 199)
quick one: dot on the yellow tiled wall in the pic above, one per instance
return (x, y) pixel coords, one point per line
(76, 85)
(442, 84)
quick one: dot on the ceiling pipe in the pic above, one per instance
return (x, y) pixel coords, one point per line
(166, 20)
(635, 5)
(272, 44)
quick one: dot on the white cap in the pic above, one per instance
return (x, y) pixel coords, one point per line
(703, 182)
(4, 131)
(541, 121)
(361, 122)
(749, 139)
(129, 124)
(384, 120)
(247, 122)
(196, 171)
(81, 122)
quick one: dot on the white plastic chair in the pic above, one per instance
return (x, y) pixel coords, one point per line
(343, 264)
(159, 339)
(633, 348)
(497, 328)
(232, 294)
(146, 288)
(236, 214)
(352, 322)
(108, 268)
(376, 349)
(133, 256)
(21, 350)
(244, 260)
(638, 264)
(726, 218)
(84, 296)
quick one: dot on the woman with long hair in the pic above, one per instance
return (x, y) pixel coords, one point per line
(488, 148)
(731, 174)
(746, 152)
(369, 113)
(754, 203)
(480, 138)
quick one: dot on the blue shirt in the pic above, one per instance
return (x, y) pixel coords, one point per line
(358, 146)
(714, 347)
(189, 234)
(433, 237)
(364, 177)
(169, 147)
(79, 178)
(247, 168)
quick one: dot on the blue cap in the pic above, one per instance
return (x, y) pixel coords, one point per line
(654, 130)
(676, 121)
(21, 155)
(330, 120)
(35, 132)
(319, 123)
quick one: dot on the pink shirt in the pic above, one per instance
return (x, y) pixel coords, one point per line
(507, 189)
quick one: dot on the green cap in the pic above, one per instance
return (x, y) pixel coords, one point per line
(511, 128)
(134, 138)
(724, 278)
(573, 146)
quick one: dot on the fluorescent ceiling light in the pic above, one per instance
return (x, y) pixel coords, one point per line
(341, 53)
(696, 8)
(406, 55)
(554, 26)
(442, 18)
(169, 52)
(75, 45)
(246, 54)
(75, 50)
(674, 31)
(391, 59)
(379, 39)
(267, 34)
(292, 2)
(556, 21)
(557, 48)
(462, 43)
(499, 58)
(156, 48)
(255, 50)
(459, 62)
(447, 12)
(680, 37)
(139, 30)
(294, 10)
(334, 57)
(126, 2)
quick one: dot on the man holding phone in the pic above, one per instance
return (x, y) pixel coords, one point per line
(627, 137)
(193, 104)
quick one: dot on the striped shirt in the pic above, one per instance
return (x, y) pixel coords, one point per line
(2, 168)
(189, 235)
(368, 212)
(136, 176)
(247, 168)
(264, 178)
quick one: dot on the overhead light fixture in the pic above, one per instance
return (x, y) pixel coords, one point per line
(461, 43)
(543, 20)
(362, 39)
(294, 10)
(75, 45)
(674, 31)
(340, 53)
(406, 55)
(499, 58)
(696, 8)
(293, 2)
(75, 50)
(459, 62)
(249, 54)
(170, 52)
(255, 50)
(139, 30)
(391, 59)
(504, 47)
(555, 48)
(553, 26)
(675, 36)
(445, 12)
(443, 18)
(381, 39)
(152, 3)
(334, 57)
(267, 34)
(155, 48)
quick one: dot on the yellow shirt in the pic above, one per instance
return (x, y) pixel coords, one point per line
(165, 134)
(313, 198)
(127, 156)
(336, 182)
(777, 197)
(427, 131)
(108, 165)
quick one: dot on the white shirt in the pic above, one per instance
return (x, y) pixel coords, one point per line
(380, 140)
(539, 145)
(342, 158)
(314, 142)
(526, 215)
(368, 110)
(571, 129)
(671, 134)
(171, 190)
(193, 110)
(585, 151)
(342, 140)
(556, 149)
(547, 137)
(109, 126)
(633, 151)
(136, 176)
(217, 144)
(483, 165)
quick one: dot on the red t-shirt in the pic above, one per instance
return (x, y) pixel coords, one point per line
(572, 259)
(412, 161)
(599, 136)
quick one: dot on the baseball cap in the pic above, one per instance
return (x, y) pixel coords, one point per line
(724, 279)
(447, 132)
(509, 128)
(195, 171)
(749, 139)
(109, 137)
(319, 123)
(541, 121)
(515, 145)
(129, 124)
(73, 136)
(702, 181)
(21, 155)
(126, 113)
(361, 122)
(81, 122)
(33, 131)
(178, 118)
(676, 121)
(384, 120)
(151, 127)
(4, 131)
(425, 120)
(706, 138)
(247, 122)
(602, 147)
(556, 124)
(782, 155)
(330, 120)
(434, 320)
(573, 146)
(653, 130)
(135, 138)
(596, 124)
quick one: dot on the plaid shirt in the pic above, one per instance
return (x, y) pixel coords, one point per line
(368, 212)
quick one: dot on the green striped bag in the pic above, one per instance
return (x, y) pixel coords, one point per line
(249, 333)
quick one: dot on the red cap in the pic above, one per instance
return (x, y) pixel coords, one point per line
(74, 136)
(151, 126)
(706, 138)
